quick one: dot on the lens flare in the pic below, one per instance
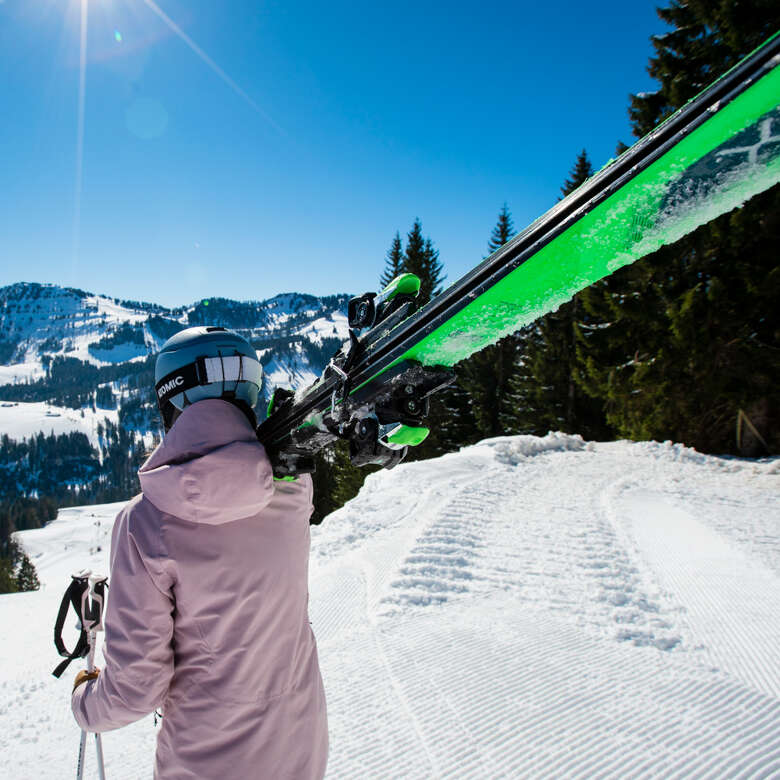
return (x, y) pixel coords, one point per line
(82, 95)
(213, 65)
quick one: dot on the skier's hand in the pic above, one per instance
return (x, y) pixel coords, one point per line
(83, 676)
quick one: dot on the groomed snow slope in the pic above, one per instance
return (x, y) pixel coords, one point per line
(524, 608)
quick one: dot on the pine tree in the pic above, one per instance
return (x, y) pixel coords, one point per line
(707, 39)
(414, 254)
(394, 262)
(431, 281)
(502, 232)
(27, 577)
(12, 557)
(685, 339)
(7, 577)
(519, 412)
(348, 478)
(580, 173)
(448, 411)
(336, 480)
(422, 259)
(451, 420)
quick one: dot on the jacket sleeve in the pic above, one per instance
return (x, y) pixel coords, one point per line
(139, 631)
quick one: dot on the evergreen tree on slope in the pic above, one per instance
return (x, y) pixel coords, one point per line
(686, 338)
(394, 262)
(27, 577)
(580, 173)
(503, 231)
(7, 576)
(448, 409)
(422, 259)
(707, 38)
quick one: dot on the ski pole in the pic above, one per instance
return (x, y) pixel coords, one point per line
(93, 623)
(98, 585)
(98, 740)
(86, 593)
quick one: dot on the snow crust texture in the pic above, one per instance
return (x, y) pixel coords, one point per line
(528, 607)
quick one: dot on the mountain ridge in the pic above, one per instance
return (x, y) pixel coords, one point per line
(31, 308)
(67, 347)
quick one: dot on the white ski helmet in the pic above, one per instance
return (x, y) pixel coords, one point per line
(206, 362)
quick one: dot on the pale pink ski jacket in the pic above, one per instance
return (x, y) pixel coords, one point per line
(207, 612)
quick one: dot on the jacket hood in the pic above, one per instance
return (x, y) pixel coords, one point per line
(209, 468)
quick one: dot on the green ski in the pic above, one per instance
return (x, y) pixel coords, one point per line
(711, 156)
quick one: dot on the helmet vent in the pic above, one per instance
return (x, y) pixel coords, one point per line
(212, 328)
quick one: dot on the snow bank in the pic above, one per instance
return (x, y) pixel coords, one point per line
(669, 451)
(515, 449)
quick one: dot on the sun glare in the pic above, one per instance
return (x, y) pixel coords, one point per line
(118, 38)
(208, 61)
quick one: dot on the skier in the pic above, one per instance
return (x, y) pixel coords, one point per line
(207, 614)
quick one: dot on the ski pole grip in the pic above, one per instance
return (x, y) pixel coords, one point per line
(98, 587)
(76, 595)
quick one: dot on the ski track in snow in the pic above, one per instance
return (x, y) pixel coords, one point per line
(524, 608)
(727, 596)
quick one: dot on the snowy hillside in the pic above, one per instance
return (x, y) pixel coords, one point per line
(526, 607)
(39, 320)
(19, 420)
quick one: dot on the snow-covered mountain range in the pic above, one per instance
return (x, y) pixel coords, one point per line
(70, 358)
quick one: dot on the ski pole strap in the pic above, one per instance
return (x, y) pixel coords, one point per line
(77, 594)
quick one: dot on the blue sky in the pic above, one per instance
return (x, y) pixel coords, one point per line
(242, 149)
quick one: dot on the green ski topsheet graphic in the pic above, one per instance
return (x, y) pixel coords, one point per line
(732, 156)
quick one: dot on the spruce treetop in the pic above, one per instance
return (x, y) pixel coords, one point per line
(422, 259)
(580, 173)
(502, 232)
(415, 244)
(431, 282)
(394, 262)
(706, 40)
